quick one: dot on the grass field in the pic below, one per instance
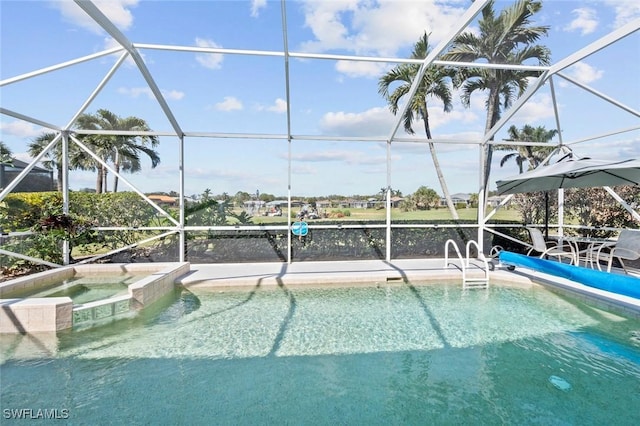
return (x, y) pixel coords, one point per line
(398, 215)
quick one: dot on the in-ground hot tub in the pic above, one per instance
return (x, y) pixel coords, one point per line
(21, 313)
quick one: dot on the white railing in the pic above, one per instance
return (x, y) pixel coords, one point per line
(468, 282)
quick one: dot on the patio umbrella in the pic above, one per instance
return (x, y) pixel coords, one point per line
(573, 173)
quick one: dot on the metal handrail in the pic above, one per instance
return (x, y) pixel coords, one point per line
(464, 265)
(480, 257)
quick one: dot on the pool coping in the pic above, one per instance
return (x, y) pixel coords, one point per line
(224, 275)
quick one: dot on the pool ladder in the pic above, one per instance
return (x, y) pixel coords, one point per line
(468, 282)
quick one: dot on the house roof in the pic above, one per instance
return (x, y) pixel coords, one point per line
(162, 198)
(19, 164)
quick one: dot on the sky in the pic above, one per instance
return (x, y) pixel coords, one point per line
(237, 93)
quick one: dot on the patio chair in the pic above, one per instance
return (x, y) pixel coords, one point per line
(550, 248)
(626, 247)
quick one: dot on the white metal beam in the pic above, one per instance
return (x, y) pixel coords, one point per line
(59, 66)
(623, 203)
(6, 191)
(97, 90)
(333, 57)
(466, 18)
(118, 36)
(601, 95)
(596, 46)
(112, 170)
(604, 135)
(29, 119)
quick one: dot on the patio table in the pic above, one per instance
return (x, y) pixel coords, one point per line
(590, 252)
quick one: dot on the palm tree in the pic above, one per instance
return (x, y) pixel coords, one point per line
(531, 154)
(122, 150)
(435, 84)
(6, 156)
(504, 39)
(53, 158)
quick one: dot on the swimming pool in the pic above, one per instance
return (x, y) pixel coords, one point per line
(393, 353)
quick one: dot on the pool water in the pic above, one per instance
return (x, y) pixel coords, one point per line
(85, 289)
(393, 354)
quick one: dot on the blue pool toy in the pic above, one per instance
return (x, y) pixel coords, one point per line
(626, 285)
(300, 229)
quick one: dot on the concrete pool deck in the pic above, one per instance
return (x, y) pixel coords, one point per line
(302, 273)
(224, 276)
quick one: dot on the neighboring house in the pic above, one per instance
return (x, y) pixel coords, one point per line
(163, 200)
(38, 179)
(277, 203)
(458, 198)
(361, 204)
(395, 202)
(323, 204)
(253, 206)
(495, 200)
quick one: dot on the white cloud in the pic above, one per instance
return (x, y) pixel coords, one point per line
(536, 109)
(373, 122)
(110, 43)
(21, 129)
(361, 69)
(175, 95)
(584, 73)
(135, 92)
(118, 11)
(379, 121)
(209, 60)
(229, 104)
(256, 5)
(376, 28)
(279, 106)
(339, 155)
(615, 147)
(438, 117)
(626, 11)
(585, 21)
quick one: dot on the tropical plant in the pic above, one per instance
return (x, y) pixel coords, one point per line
(77, 159)
(425, 198)
(508, 38)
(536, 207)
(241, 197)
(435, 84)
(6, 156)
(594, 207)
(123, 151)
(533, 155)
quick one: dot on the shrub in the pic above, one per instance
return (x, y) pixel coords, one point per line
(336, 214)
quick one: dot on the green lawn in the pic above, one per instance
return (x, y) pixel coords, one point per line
(399, 215)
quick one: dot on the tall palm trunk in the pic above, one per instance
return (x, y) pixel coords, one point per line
(59, 177)
(493, 109)
(99, 180)
(104, 172)
(436, 165)
(116, 163)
